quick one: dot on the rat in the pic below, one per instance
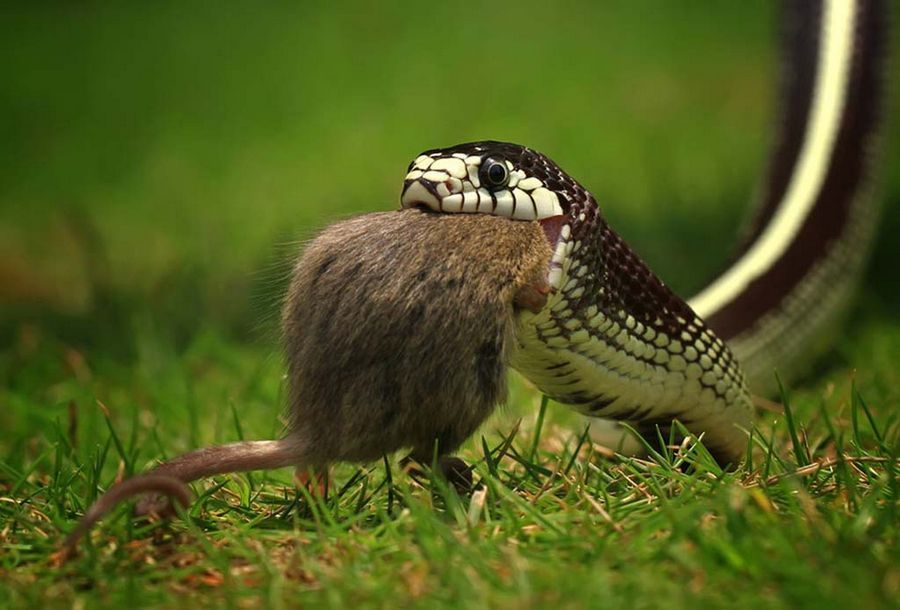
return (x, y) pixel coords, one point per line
(398, 328)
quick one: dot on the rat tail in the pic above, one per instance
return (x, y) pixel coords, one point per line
(170, 478)
(242, 456)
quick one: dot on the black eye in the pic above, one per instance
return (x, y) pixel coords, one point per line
(493, 173)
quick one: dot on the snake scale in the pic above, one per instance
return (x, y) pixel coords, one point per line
(613, 340)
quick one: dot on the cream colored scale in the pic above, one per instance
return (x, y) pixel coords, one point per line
(605, 364)
(565, 356)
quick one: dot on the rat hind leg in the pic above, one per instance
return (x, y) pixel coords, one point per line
(457, 473)
(452, 468)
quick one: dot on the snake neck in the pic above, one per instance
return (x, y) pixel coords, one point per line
(614, 341)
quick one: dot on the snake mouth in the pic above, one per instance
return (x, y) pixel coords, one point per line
(428, 195)
(553, 228)
(442, 192)
(420, 194)
(451, 185)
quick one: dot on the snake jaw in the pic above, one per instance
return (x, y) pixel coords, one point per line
(557, 230)
(552, 227)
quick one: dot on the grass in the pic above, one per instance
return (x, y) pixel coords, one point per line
(155, 164)
(553, 520)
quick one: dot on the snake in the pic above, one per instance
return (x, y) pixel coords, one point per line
(613, 340)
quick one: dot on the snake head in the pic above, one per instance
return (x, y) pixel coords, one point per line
(490, 177)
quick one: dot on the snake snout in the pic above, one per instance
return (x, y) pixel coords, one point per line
(429, 189)
(420, 193)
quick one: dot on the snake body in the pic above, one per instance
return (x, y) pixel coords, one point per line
(613, 340)
(803, 255)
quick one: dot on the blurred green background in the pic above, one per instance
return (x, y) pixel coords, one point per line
(159, 163)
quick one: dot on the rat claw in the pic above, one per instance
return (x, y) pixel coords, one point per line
(453, 469)
(457, 473)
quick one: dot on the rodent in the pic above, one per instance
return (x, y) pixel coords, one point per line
(397, 331)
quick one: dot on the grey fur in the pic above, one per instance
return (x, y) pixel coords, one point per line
(397, 330)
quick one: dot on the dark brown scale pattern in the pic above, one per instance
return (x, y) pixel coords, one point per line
(618, 283)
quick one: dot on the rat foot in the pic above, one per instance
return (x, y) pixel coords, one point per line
(457, 473)
(453, 469)
(315, 480)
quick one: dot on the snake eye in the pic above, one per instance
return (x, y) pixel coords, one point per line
(493, 173)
